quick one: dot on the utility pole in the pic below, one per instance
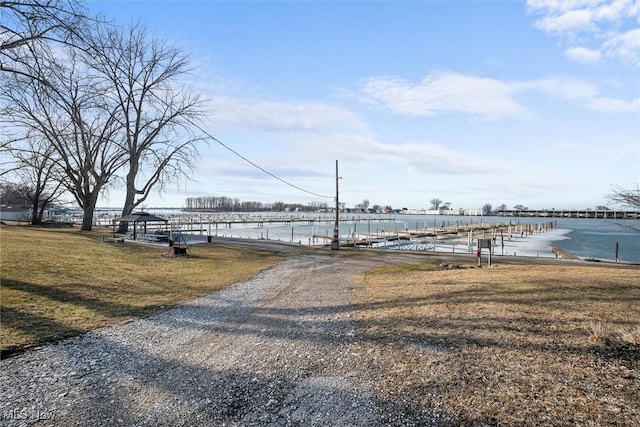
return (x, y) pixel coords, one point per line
(335, 243)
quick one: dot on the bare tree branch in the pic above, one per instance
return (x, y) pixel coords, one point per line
(626, 197)
(27, 21)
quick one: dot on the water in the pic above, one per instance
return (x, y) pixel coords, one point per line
(595, 238)
(585, 238)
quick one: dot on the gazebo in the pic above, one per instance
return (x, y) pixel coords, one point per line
(143, 217)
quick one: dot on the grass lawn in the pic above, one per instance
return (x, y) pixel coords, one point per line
(510, 344)
(61, 282)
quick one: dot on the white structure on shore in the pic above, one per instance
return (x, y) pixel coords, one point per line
(14, 213)
(453, 212)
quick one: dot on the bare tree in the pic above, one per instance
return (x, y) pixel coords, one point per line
(435, 204)
(114, 100)
(14, 194)
(37, 166)
(72, 114)
(157, 113)
(26, 24)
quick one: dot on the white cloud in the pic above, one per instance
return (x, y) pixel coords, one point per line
(582, 93)
(264, 115)
(485, 98)
(594, 26)
(583, 55)
(614, 105)
(557, 6)
(434, 158)
(570, 20)
(580, 16)
(305, 126)
(625, 46)
(562, 87)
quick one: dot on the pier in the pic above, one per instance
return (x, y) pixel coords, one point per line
(318, 230)
(416, 233)
(189, 220)
(562, 213)
(458, 237)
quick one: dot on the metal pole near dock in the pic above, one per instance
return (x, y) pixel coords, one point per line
(335, 243)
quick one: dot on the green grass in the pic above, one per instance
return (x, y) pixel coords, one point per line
(62, 282)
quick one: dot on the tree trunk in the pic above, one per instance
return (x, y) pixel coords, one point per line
(130, 197)
(123, 227)
(89, 208)
(41, 209)
(36, 216)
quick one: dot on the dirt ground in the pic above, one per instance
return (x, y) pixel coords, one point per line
(321, 340)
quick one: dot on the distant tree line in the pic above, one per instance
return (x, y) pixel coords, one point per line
(88, 105)
(230, 204)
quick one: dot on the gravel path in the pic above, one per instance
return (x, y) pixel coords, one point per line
(279, 349)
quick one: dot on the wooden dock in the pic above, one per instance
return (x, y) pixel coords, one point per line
(469, 232)
(191, 220)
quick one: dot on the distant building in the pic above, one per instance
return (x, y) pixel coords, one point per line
(24, 213)
(457, 212)
(413, 212)
(14, 213)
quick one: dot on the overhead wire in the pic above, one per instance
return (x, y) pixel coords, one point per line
(216, 140)
(222, 144)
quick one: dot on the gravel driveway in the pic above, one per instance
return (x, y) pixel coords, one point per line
(279, 349)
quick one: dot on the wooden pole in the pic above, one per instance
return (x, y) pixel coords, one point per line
(335, 243)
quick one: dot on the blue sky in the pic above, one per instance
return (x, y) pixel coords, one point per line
(471, 102)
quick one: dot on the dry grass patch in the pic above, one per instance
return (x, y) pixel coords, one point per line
(60, 282)
(511, 344)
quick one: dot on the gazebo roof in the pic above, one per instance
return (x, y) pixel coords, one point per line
(141, 217)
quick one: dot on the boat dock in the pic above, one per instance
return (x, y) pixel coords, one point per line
(451, 233)
(197, 221)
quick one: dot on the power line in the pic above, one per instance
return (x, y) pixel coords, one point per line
(257, 166)
(249, 161)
